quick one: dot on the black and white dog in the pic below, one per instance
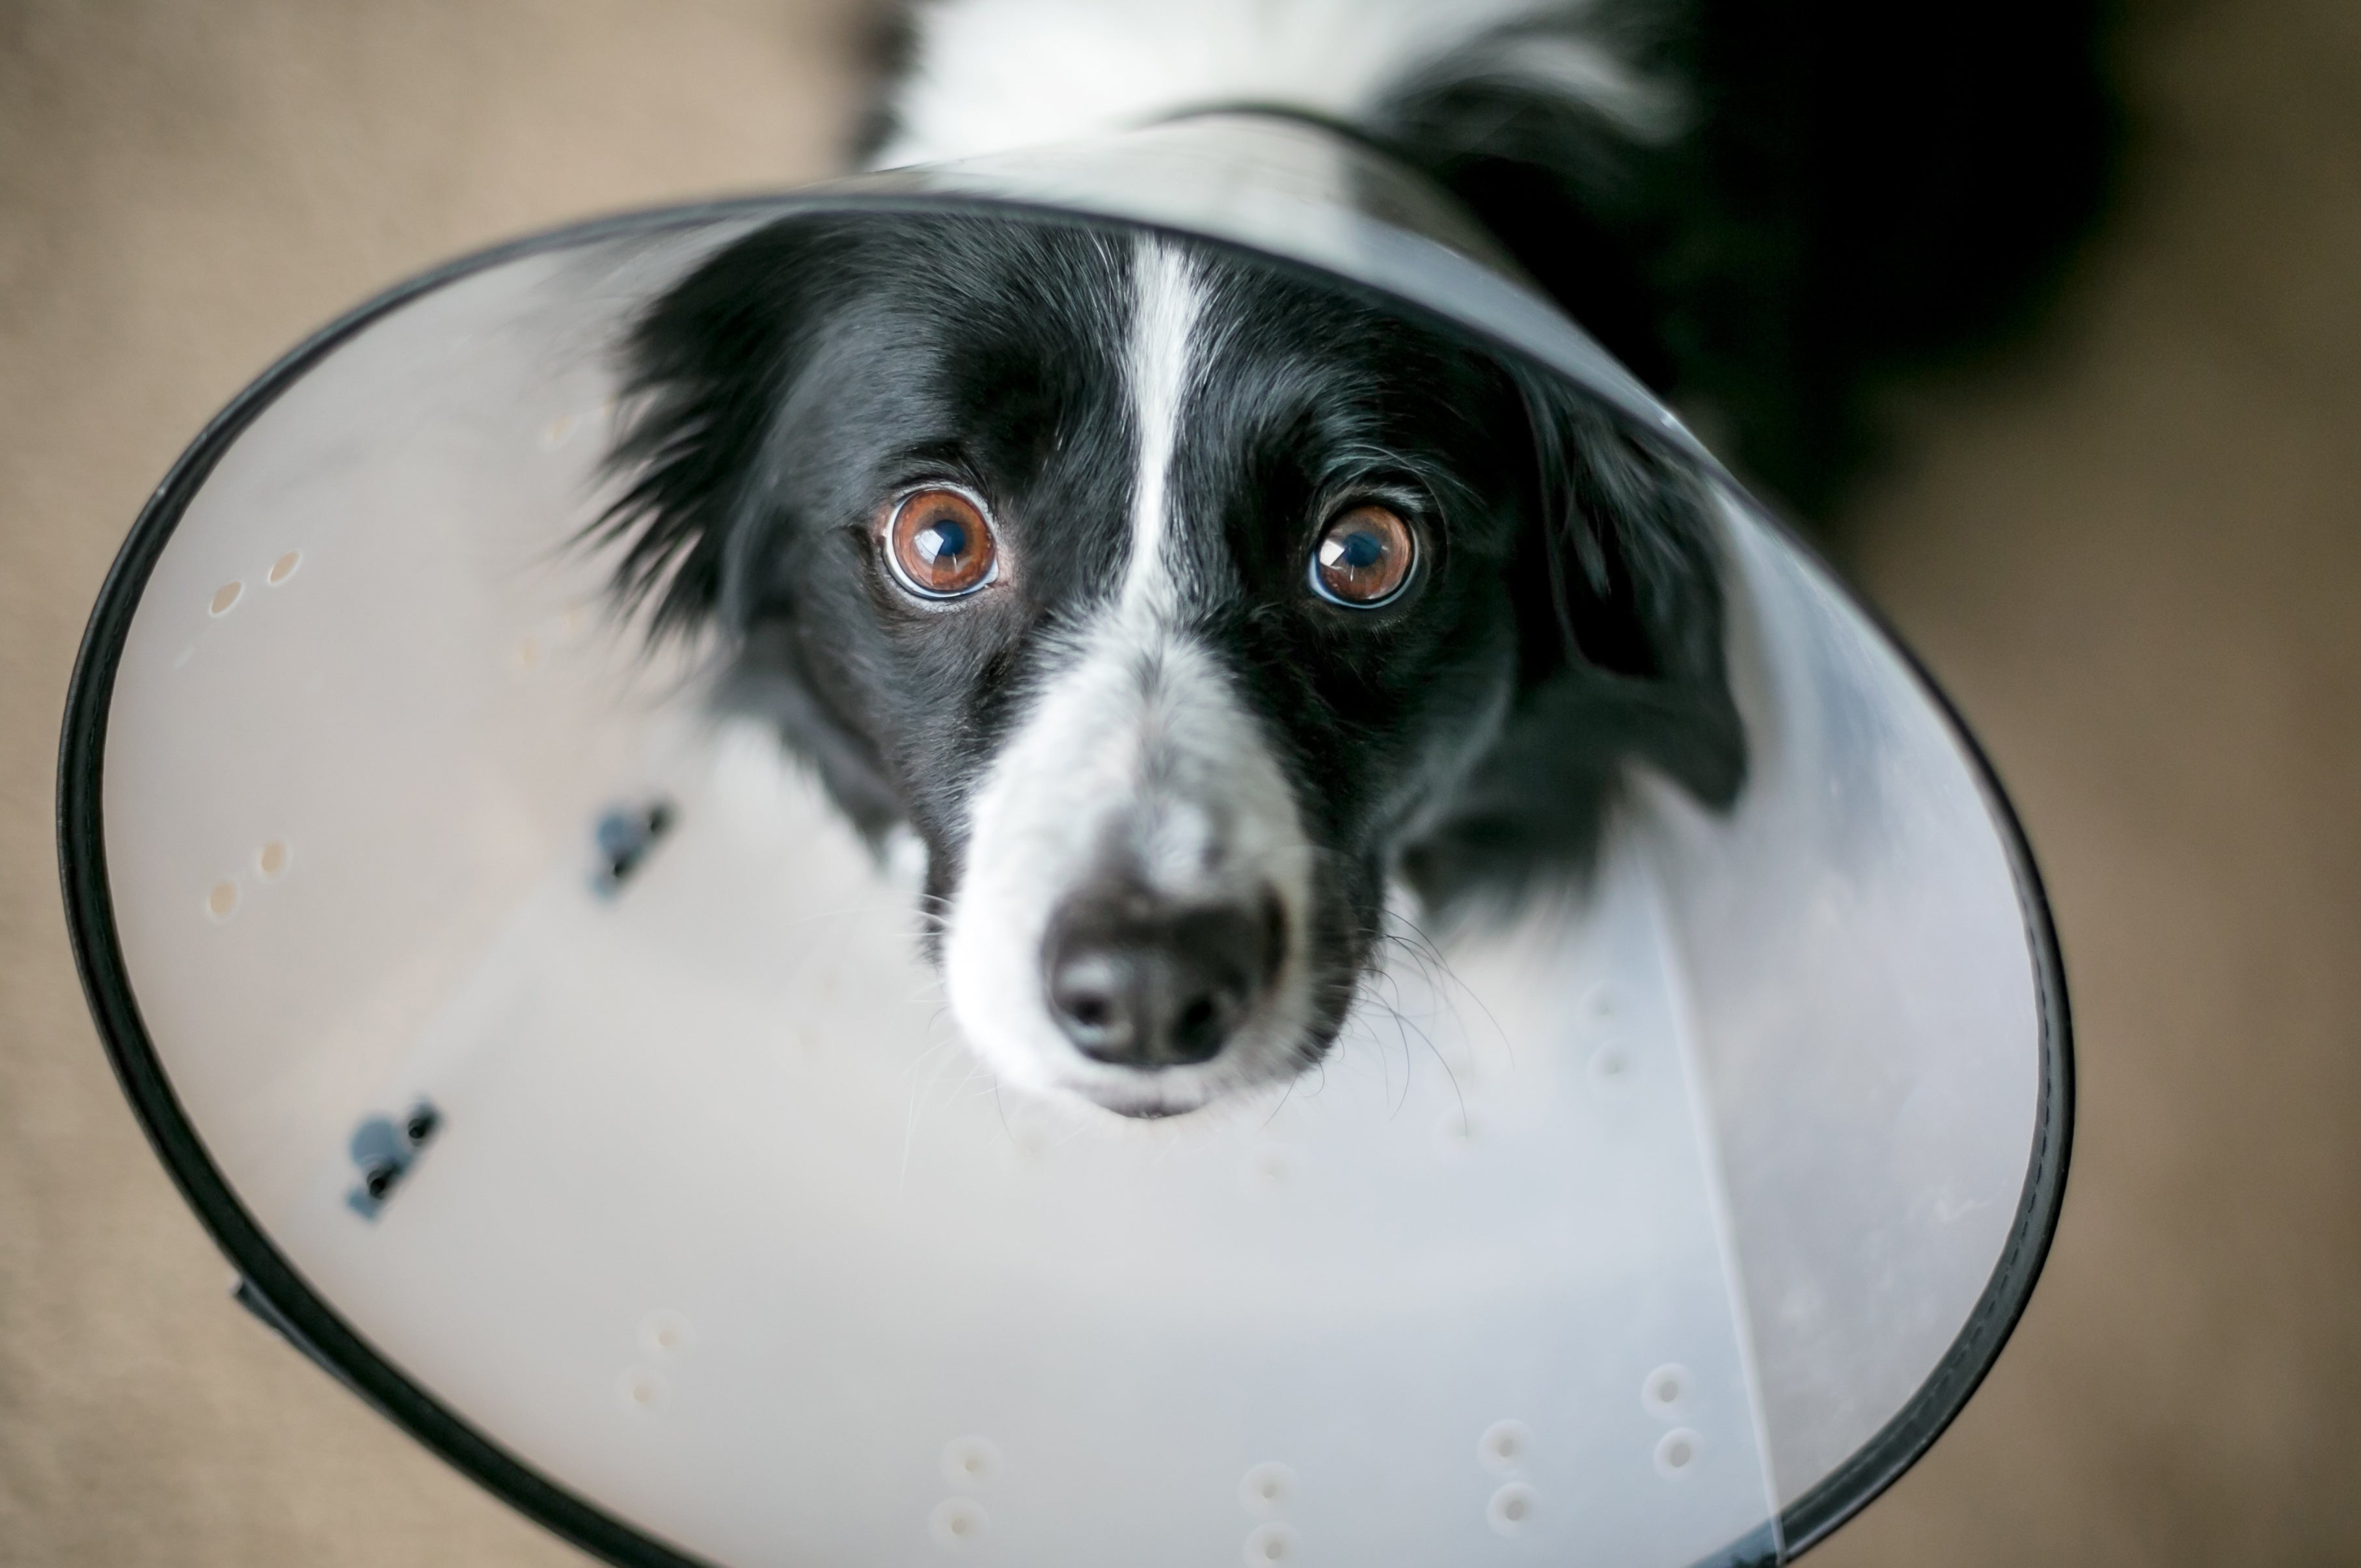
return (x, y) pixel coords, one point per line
(1179, 606)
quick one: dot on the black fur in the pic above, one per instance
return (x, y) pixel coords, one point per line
(1851, 191)
(796, 379)
(802, 374)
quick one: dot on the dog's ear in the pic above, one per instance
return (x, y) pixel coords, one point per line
(706, 372)
(1630, 564)
(1617, 594)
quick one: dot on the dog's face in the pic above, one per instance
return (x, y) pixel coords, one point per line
(1172, 602)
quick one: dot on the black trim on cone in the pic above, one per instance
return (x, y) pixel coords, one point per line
(1878, 1464)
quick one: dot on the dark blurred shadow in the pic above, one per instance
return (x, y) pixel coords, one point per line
(1869, 190)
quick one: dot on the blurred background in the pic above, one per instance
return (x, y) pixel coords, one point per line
(2131, 548)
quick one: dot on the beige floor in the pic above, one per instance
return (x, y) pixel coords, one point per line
(2135, 555)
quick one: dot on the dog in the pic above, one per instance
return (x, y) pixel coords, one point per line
(1181, 606)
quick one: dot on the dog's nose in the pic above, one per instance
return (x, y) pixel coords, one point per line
(1138, 981)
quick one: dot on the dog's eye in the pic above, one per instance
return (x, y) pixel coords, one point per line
(1363, 558)
(939, 544)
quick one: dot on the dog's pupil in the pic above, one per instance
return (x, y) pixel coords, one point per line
(1362, 550)
(942, 542)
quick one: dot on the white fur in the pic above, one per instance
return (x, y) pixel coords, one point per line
(1166, 304)
(1139, 746)
(993, 74)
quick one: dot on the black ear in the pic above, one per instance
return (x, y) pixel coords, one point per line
(706, 372)
(1617, 594)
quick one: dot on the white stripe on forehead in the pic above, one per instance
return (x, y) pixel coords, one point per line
(1165, 305)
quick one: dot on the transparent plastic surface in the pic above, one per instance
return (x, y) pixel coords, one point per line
(1610, 1237)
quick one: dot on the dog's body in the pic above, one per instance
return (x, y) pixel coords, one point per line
(1176, 605)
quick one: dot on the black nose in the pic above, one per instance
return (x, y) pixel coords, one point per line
(1139, 981)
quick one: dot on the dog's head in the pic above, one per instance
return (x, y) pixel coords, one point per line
(1174, 601)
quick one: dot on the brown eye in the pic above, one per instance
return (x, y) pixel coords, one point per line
(1364, 558)
(939, 544)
